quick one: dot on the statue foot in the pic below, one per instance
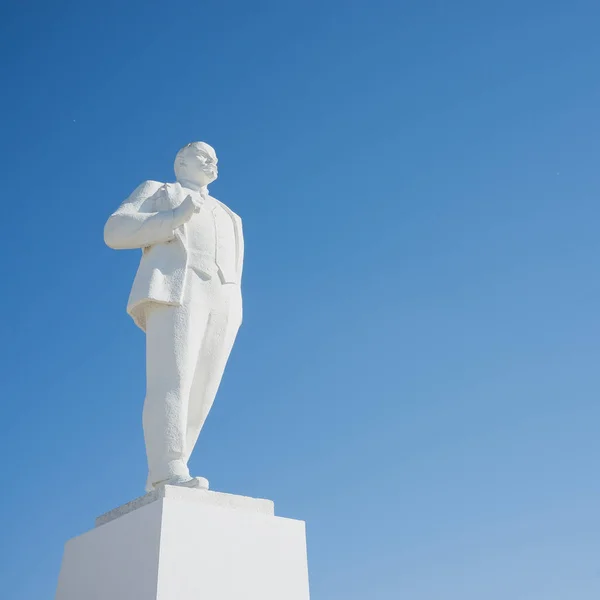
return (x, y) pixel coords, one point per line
(200, 483)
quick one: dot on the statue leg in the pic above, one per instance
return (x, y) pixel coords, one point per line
(219, 336)
(173, 338)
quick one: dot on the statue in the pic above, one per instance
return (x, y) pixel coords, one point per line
(186, 297)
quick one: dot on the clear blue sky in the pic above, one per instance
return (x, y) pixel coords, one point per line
(417, 374)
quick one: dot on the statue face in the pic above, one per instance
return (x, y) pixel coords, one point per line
(197, 163)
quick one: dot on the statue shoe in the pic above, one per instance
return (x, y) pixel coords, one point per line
(200, 483)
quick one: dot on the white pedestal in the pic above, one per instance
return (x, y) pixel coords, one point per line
(185, 544)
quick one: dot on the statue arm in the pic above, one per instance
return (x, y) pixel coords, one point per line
(131, 227)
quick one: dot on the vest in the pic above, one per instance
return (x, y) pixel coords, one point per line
(211, 242)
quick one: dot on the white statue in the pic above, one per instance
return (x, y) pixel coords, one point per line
(186, 297)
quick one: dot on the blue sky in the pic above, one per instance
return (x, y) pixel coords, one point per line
(417, 373)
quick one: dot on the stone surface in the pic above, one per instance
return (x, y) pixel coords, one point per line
(204, 497)
(186, 297)
(189, 545)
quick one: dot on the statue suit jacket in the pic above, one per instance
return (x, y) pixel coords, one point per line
(145, 220)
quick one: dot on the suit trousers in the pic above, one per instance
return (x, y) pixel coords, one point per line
(187, 348)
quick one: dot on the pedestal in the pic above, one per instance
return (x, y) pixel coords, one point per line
(186, 544)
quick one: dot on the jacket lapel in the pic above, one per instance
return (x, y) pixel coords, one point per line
(237, 229)
(173, 197)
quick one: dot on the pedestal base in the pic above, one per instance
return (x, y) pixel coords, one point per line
(187, 544)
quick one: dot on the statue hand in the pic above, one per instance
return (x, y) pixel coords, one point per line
(186, 210)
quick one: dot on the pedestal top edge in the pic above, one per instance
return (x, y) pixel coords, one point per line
(202, 497)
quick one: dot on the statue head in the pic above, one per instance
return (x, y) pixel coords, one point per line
(196, 163)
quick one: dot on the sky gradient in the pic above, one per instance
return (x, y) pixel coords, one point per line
(417, 372)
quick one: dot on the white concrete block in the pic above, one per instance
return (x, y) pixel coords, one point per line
(118, 560)
(187, 544)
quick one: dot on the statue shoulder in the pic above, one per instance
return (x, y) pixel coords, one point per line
(147, 188)
(143, 192)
